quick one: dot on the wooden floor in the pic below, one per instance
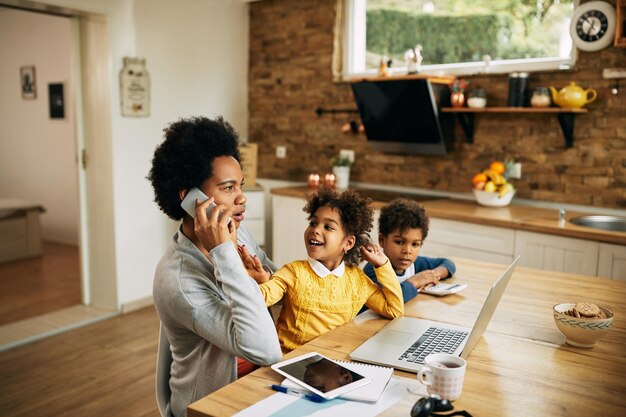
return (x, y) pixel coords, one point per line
(41, 296)
(35, 328)
(104, 369)
(40, 285)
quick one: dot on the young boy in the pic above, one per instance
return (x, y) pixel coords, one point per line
(402, 227)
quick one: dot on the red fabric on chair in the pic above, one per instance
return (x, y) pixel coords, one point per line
(244, 367)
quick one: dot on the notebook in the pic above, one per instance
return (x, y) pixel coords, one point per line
(405, 341)
(369, 393)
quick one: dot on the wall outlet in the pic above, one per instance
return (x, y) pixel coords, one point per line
(516, 171)
(348, 154)
(281, 152)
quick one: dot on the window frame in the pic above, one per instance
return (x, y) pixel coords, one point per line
(352, 54)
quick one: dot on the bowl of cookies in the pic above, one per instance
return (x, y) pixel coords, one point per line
(582, 323)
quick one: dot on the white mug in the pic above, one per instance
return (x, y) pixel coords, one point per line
(443, 375)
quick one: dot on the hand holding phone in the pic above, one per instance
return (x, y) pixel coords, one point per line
(189, 202)
(208, 233)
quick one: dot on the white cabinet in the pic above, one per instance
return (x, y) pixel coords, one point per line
(255, 214)
(288, 224)
(450, 238)
(557, 253)
(612, 261)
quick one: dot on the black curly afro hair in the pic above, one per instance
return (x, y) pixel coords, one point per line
(402, 214)
(357, 216)
(184, 160)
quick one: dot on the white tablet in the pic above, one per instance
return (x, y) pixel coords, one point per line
(444, 289)
(320, 375)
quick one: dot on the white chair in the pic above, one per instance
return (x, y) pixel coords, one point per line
(164, 362)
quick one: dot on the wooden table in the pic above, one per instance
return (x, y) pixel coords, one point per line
(521, 366)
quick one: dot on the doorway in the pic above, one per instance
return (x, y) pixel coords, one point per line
(43, 166)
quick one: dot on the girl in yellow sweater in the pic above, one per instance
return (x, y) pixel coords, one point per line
(328, 289)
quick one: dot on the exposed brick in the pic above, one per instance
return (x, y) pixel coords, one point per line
(290, 76)
(596, 182)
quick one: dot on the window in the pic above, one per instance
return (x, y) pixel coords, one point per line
(458, 36)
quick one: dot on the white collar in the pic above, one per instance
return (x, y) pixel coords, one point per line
(322, 272)
(408, 273)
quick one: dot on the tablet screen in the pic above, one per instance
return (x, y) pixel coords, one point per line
(320, 373)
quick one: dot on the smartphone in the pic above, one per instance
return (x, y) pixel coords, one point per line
(189, 202)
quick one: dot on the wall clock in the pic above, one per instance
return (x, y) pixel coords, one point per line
(593, 25)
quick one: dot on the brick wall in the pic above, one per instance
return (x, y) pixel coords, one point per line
(290, 76)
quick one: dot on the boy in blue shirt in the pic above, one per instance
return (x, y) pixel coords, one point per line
(402, 227)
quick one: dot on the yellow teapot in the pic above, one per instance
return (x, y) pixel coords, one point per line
(573, 96)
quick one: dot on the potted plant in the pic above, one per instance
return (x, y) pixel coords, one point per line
(341, 169)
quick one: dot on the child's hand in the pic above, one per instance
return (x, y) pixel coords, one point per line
(253, 265)
(372, 254)
(424, 279)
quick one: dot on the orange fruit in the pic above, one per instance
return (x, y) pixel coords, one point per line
(480, 177)
(498, 167)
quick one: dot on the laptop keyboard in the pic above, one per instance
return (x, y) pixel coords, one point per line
(434, 340)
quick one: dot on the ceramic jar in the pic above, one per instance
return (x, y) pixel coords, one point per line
(541, 97)
(477, 98)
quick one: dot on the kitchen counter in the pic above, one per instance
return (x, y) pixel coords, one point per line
(520, 217)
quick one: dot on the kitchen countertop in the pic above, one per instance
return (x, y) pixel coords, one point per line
(520, 217)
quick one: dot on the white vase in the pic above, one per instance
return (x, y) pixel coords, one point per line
(342, 176)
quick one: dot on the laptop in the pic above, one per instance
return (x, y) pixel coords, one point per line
(405, 341)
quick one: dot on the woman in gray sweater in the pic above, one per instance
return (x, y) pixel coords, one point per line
(212, 311)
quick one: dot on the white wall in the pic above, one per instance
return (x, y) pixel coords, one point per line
(197, 56)
(38, 154)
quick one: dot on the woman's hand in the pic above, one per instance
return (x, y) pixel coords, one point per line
(424, 279)
(372, 254)
(253, 265)
(216, 229)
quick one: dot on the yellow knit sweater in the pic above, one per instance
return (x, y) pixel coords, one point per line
(312, 305)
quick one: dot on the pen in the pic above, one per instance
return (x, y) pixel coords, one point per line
(311, 397)
(454, 286)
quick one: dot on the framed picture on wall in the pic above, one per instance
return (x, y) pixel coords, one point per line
(28, 82)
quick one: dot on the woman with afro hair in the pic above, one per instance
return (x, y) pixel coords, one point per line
(212, 312)
(329, 289)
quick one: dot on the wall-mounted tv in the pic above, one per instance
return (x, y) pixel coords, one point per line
(402, 116)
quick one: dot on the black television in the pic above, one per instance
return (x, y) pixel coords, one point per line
(402, 116)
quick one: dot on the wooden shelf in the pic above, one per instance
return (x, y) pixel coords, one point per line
(434, 79)
(465, 116)
(512, 110)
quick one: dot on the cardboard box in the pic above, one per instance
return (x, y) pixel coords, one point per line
(249, 158)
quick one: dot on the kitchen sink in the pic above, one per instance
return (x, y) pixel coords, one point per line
(610, 223)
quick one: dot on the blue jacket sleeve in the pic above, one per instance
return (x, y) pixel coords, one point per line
(408, 290)
(423, 263)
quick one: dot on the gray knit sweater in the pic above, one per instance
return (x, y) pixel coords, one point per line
(213, 312)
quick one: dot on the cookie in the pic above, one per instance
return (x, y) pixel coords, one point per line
(586, 309)
(573, 313)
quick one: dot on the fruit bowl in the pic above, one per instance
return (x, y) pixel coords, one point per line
(493, 199)
(581, 332)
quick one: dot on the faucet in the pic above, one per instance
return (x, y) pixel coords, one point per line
(562, 216)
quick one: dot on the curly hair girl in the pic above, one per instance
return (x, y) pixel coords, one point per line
(355, 212)
(328, 289)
